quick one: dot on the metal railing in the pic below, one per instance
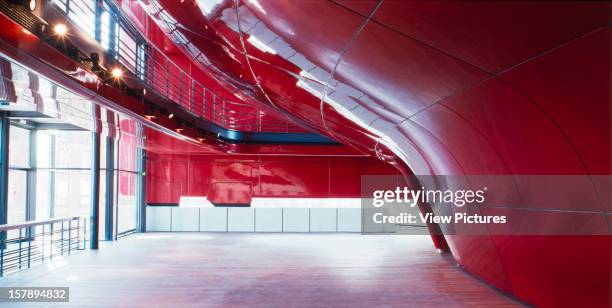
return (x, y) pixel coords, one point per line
(166, 78)
(23, 245)
(160, 74)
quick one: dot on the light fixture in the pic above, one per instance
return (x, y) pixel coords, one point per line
(144, 91)
(179, 130)
(117, 73)
(60, 30)
(32, 5)
(149, 117)
(171, 115)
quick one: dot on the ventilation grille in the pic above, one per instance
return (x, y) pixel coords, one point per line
(22, 16)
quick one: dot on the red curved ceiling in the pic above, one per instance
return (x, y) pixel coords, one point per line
(455, 88)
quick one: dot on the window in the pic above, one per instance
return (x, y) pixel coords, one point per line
(83, 14)
(141, 69)
(45, 174)
(105, 30)
(43, 150)
(19, 166)
(126, 179)
(127, 49)
(72, 193)
(50, 171)
(126, 201)
(44, 193)
(73, 149)
(17, 196)
(19, 150)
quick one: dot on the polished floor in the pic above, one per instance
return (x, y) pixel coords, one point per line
(278, 270)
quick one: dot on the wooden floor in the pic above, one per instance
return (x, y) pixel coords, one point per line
(225, 269)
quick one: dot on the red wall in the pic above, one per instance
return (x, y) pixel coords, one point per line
(523, 89)
(171, 176)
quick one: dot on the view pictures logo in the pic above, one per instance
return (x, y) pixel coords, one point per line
(458, 198)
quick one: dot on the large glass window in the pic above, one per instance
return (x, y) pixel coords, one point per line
(61, 167)
(45, 174)
(44, 194)
(105, 30)
(83, 14)
(73, 149)
(19, 166)
(17, 196)
(19, 150)
(126, 203)
(72, 193)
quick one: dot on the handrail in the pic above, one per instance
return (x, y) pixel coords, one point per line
(23, 245)
(14, 226)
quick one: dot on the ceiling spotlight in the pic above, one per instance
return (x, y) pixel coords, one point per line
(117, 73)
(179, 130)
(144, 91)
(60, 30)
(32, 5)
(149, 117)
(170, 116)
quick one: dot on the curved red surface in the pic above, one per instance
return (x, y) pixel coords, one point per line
(517, 88)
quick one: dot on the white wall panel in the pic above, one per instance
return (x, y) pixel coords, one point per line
(241, 219)
(349, 220)
(296, 220)
(159, 218)
(322, 220)
(268, 220)
(185, 219)
(213, 219)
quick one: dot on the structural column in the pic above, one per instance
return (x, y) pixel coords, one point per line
(109, 184)
(141, 190)
(95, 191)
(4, 162)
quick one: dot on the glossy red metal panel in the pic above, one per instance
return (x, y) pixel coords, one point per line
(572, 86)
(291, 176)
(478, 255)
(166, 181)
(230, 193)
(363, 7)
(298, 177)
(522, 134)
(558, 271)
(472, 150)
(402, 74)
(345, 175)
(493, 35)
